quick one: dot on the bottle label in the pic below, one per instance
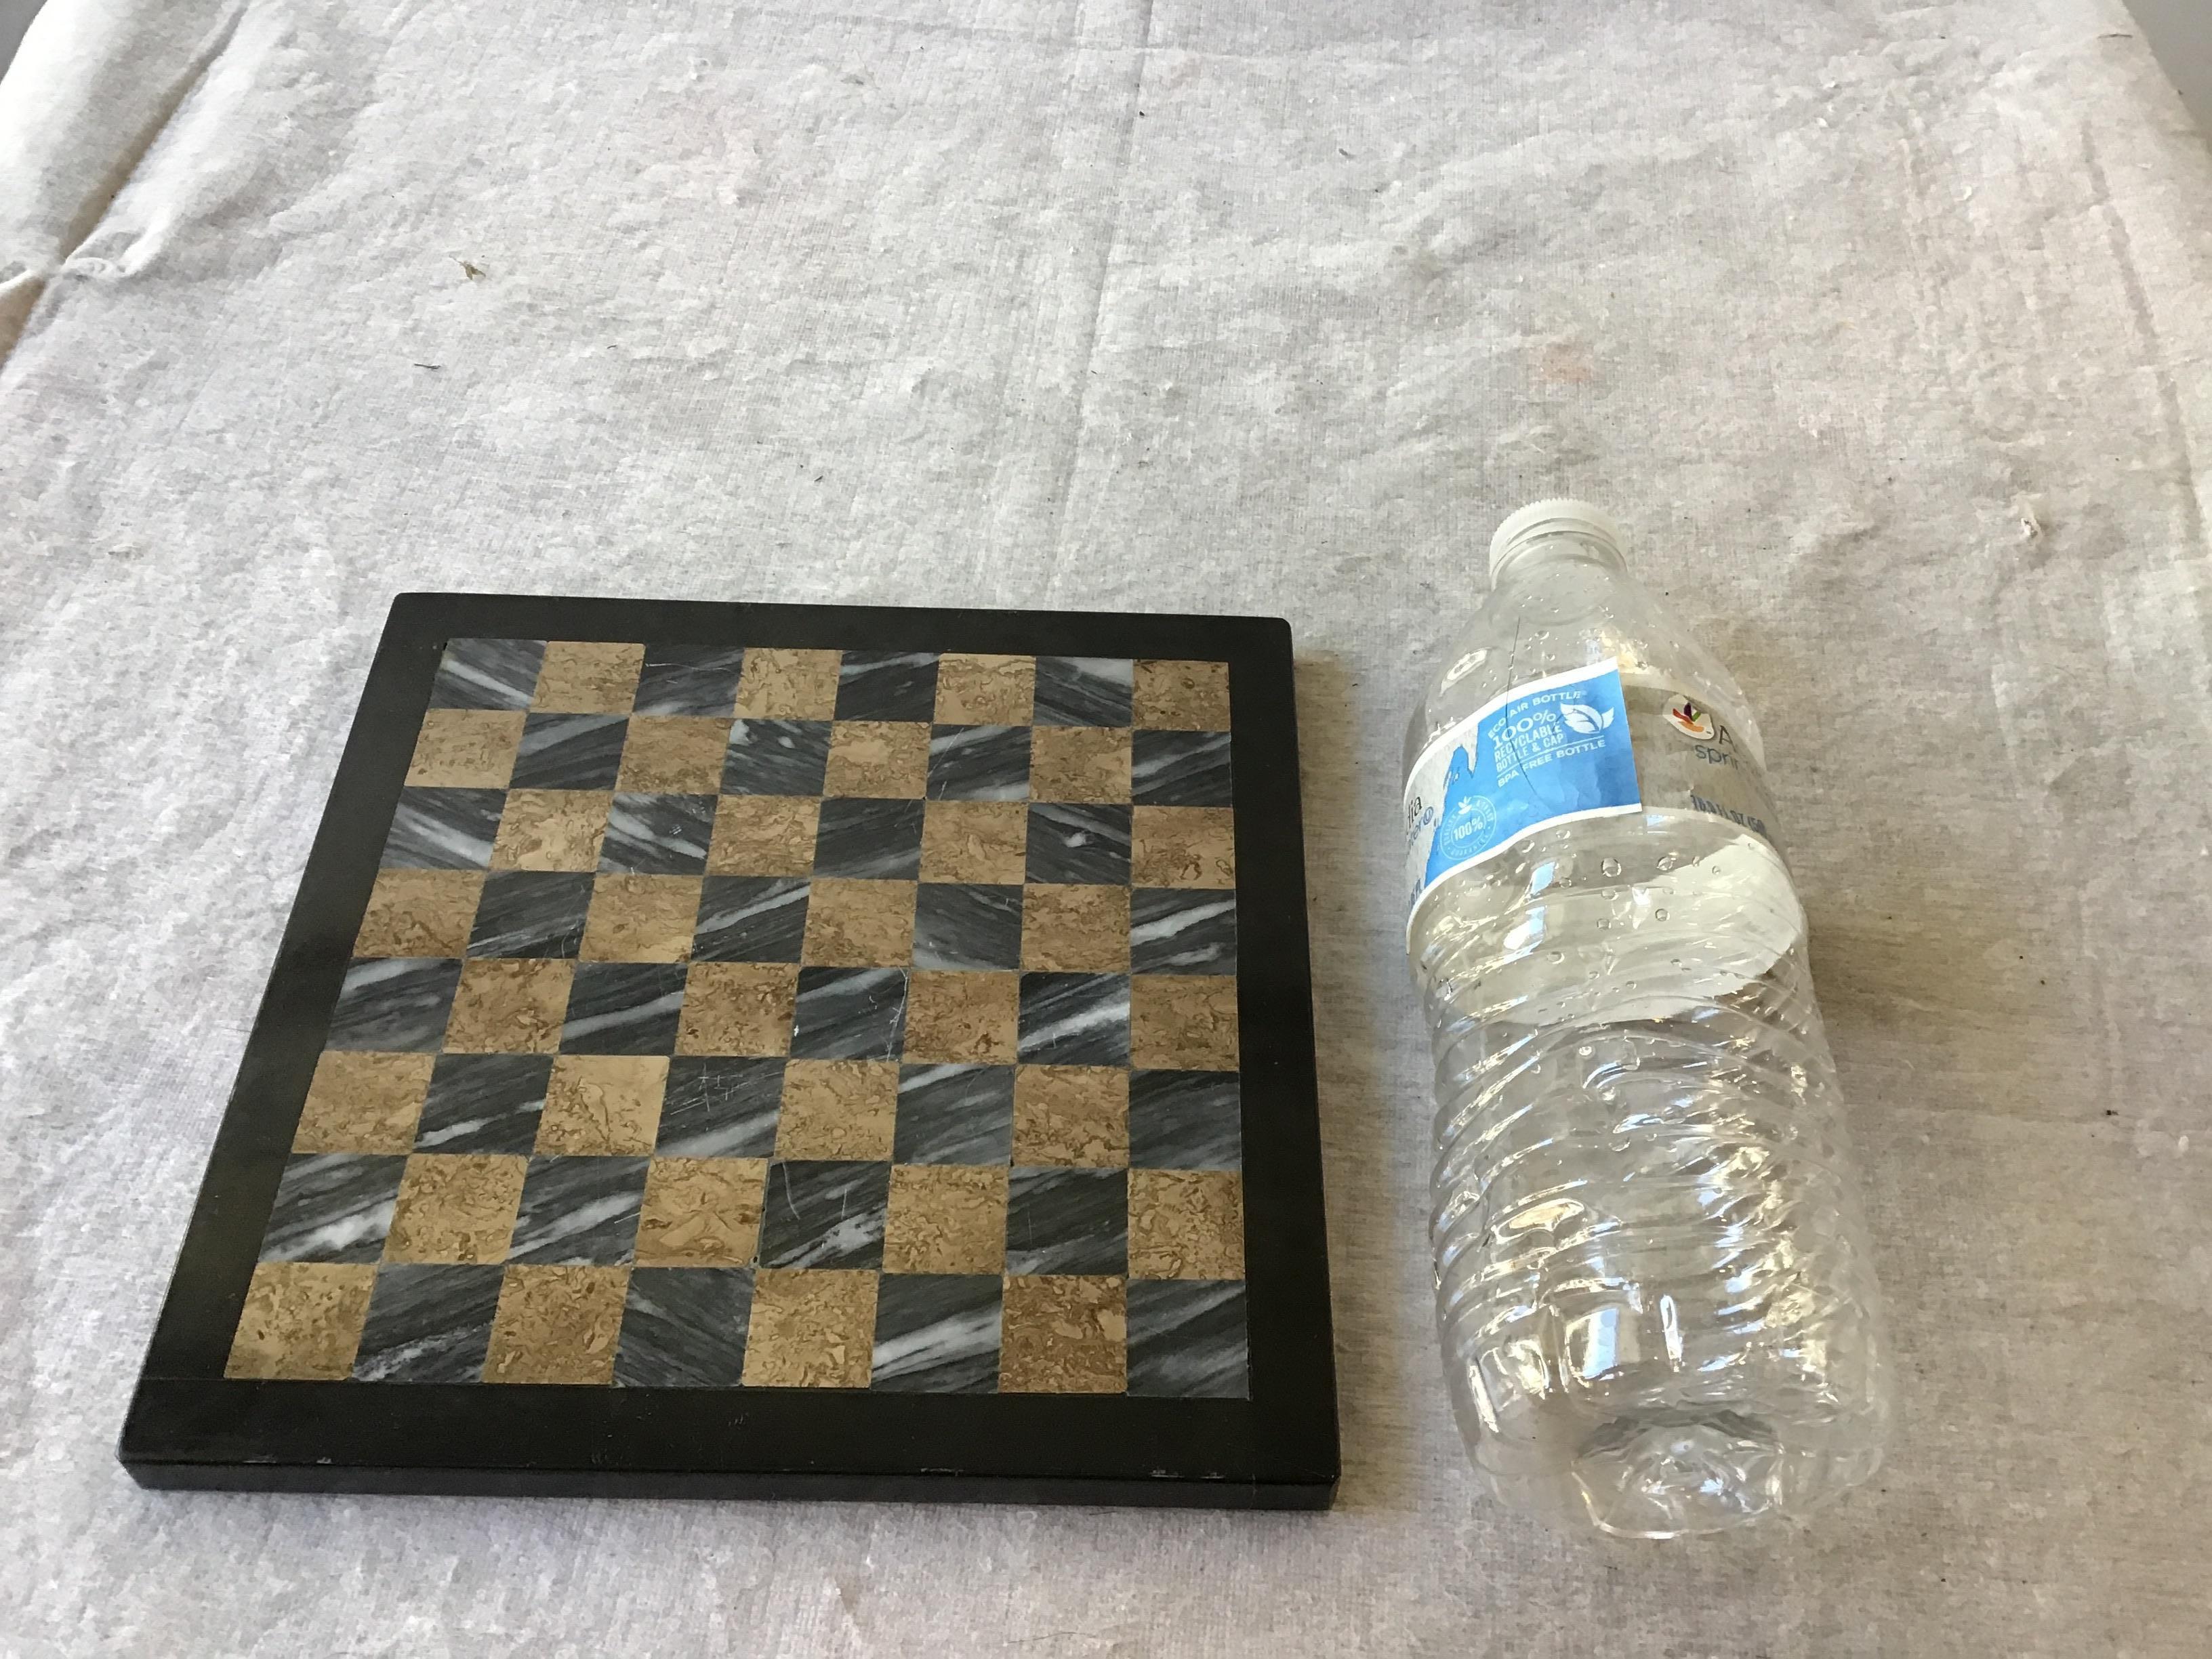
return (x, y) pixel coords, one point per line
(1687, 757)
(1552, 751)
(1574, 745)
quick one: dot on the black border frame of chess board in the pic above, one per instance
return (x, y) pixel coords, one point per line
(191, 1427)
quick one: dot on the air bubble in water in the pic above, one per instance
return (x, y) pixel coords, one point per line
(1668, 860)
(1611, 866)
(1658, 916)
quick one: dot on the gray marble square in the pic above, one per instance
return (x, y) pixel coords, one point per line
(955, 1115)
(1075, 1019)
(887, 685)
(721, 1107)
(937, 1332)
(1181, 769)
(819, 1213)
(1175, 930)
(531, 913)
(967, 924)
(869, 839)
(689, 679)
(443, 829)
(484, 1104)
(1067, 1221)
(427, 1322)
(1084, 691)
(684, 1328)
(396, 1004)
(1074, 842)
(570, 752)
(1187, 1340)
(578, 1211)
(1185, 1121)
(775, 757)
(849, 1013)
(751, 918)
(624, 1008)
(979, 763)
(658, 835)
(488, 674)
(332, 1206)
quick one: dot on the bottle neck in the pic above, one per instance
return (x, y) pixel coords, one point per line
(1552, 547)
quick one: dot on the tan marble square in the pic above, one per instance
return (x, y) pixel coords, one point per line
(419, 913)
(945, 1218)
(556, 1325)
(701, 1212)
(302, 1320)
(978, 689)
(603, 1105)
(883, 760)
(737, 1008)
(811, 1329)
(465, 748)
(588, 677)
(641, 919)
(1182, 1022)
(1076, 1115)
(509, 1006)
(1182, 847)
(363, 1102)
(1064, 1335)
(1075, 930)
(673, 755)
(788, 685)
(763, 836)
(551, 829)
(962, 1018)
(1079, 762)
(859, 924)
(1186, 1224)
(455, 1206)
(985, 841)
(840, 1109)
(1182, 696)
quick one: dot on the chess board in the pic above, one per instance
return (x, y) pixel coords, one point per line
(875, 1044)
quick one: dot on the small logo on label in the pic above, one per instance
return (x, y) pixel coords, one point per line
(1691, 717)
(1581, 717)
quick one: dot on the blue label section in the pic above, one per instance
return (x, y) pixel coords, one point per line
(1552, 751)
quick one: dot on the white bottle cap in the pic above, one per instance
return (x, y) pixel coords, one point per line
(1552, 519)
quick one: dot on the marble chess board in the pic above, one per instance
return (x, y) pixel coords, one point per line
(785, 1018)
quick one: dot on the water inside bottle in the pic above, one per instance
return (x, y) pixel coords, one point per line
(1638, 1326)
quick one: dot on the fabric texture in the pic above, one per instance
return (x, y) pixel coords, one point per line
(1883, 326)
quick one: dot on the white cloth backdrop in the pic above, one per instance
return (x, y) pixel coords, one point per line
(1884, 325)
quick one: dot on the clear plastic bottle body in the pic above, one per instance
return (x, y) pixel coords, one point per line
(1654, 1288)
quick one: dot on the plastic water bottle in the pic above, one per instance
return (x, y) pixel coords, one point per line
(1658, 1310)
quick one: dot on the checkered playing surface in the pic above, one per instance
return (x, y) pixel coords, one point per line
(783, 1018)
